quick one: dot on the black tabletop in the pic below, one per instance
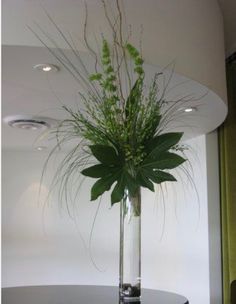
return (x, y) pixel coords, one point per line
(65, 294)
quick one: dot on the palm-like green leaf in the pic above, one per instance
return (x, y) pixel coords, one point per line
(104, 184)
(158, 176)
(99, 170)
(119, 189)
(144, 181)
(163, 142)
(105, 154)
(165, 160)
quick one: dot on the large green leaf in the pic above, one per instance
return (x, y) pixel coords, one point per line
(103, 184)
(99, 170)
(125, 181)
(165, 160)
(144, 181)
(105, 154)
(119, 189)
(132, 98)
(158, 176)
(163, 142)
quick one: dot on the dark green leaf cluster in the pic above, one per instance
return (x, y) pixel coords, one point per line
(113, 167)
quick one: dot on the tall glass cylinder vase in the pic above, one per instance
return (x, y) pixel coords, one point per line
(130, 247)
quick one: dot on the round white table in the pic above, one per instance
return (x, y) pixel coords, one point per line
(67, 294)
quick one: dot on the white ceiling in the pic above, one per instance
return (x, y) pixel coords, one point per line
(17, 14)
(26, 91)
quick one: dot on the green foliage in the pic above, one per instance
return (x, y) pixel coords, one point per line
(163, 142)
(165, 160)
(99, 170)
(102, 185)
(97, 76)
(123, 134)
(127, 174)
(121, 123)
(138, 61)
(105, 154)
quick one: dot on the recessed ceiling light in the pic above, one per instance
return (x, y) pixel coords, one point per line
(41, 148)
(190, 109)
(46, 67)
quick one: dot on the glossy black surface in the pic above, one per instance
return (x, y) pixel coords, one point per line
(82, 295)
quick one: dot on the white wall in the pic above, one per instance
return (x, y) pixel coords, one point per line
(44, 246)
(214, 218)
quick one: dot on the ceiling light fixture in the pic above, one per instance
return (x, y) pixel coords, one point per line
(190, 109)
(41, 148)
(28, 124)
(33, 123)
(46, 67)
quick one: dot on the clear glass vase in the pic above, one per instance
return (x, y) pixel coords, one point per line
(130, 247)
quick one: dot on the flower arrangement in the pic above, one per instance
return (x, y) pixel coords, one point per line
(121, 126)
(123, 135)
(119, 130)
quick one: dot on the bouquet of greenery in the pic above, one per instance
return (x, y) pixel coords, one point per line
(125, 135)
(122, 123)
